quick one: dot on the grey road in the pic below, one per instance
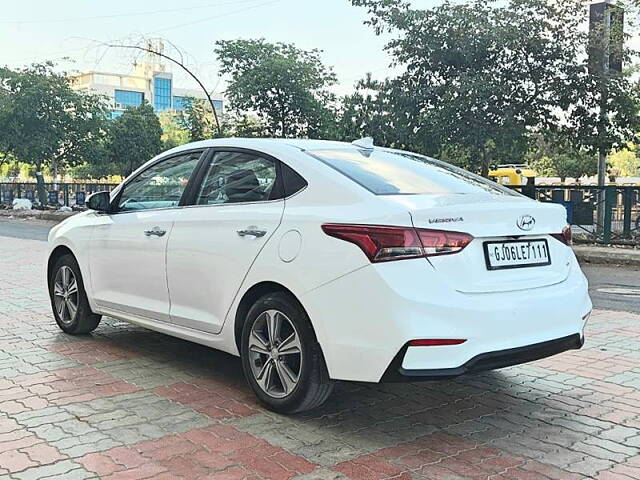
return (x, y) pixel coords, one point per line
(30, 230)
(612, 288)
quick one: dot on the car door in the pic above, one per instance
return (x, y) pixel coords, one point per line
(127, 257)
(237, 207)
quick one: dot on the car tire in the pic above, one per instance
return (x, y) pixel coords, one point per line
(66, 290)
(294, 382)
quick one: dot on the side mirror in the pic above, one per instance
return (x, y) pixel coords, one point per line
(99, 201)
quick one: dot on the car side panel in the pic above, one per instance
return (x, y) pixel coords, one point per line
(207, 259)
(301, 257)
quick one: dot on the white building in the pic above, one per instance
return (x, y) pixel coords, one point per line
(149, 81)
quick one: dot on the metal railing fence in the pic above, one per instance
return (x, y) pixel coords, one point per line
(58, 194)
(621, 223)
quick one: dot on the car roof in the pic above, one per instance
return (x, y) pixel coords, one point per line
(257, 143)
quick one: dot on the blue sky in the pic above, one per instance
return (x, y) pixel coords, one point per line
(35, 30)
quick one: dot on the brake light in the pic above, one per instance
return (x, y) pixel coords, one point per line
(384, 244)
(565, 237)
(435, 342)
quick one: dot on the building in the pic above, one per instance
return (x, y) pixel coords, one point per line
(150, 81)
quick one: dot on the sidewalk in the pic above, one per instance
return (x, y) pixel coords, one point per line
(607, 255)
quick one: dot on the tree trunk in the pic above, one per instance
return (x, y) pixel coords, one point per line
(485, 164)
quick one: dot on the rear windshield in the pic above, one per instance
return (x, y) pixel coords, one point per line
(386, 172)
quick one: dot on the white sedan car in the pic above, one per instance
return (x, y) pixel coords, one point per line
(317, 261)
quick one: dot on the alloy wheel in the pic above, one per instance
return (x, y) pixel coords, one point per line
(65, 295)
(275, 353)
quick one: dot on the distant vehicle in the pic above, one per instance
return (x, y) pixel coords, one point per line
(513, 175)
(317, 261)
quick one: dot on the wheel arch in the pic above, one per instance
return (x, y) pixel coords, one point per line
(250, 297)
(56, 253)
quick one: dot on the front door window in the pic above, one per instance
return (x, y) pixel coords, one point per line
(159, 186)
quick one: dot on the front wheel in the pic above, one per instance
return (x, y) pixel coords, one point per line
(281, 357)
(68, 298)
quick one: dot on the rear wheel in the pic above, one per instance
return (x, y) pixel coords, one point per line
(281, 356)
(69, 299)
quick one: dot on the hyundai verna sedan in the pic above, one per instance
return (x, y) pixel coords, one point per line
(317, 261)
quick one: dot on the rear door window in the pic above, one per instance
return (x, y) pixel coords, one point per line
(239, 177)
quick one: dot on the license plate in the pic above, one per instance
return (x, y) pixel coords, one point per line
(516, 254)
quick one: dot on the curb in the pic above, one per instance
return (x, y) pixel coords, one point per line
(36, 215)
(600, 256)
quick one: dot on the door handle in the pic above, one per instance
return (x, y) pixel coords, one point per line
(157, 231)
(252, 232)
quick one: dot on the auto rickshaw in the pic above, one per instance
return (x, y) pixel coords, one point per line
(513, 175)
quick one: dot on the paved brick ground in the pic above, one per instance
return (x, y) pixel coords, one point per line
(129, 403)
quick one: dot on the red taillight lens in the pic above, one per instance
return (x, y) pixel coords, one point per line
(379, 244)
(438, 242)
(435, 342)
(565, 237)
(384, 244)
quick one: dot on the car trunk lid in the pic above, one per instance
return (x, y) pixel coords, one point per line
(491, 218)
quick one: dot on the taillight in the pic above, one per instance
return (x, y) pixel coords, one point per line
(439, 242)
(565, 237)
(384, 244)
(379, 244)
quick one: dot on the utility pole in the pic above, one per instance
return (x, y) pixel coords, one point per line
(606, 43)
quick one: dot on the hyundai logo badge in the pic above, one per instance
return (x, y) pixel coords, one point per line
(526, 222)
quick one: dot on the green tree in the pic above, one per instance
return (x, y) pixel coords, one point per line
(44, 122)
(555, 156)
(480, 75)
(624, 162)
(243, 125)
(385, 110)
(286, 87)
(197, 119)
(173, 134)
(133, 138)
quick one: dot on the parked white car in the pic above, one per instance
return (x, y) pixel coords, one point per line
(318, 261)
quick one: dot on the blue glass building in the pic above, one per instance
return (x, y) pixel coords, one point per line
(161, 93)
(180, 102)
(149, 82)
(128, 98)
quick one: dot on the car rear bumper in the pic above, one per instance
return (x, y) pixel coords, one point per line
(485, 361)
(364, 319)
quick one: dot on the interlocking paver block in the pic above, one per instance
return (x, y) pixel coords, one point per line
(125, 402)
(64, 469)
(214, 399)
(91, 352)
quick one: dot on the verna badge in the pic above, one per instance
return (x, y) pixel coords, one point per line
(526, 222)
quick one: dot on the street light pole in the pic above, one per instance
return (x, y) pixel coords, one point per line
(606, 25)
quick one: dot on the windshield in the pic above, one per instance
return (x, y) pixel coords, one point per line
(392, 172)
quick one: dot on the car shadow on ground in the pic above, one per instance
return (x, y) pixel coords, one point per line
(439, 403)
